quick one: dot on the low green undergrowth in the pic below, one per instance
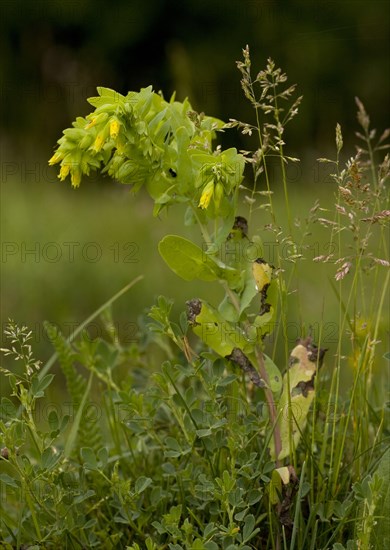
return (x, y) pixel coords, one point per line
(238, 440)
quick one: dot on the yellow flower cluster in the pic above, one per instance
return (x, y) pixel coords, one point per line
(66, 169)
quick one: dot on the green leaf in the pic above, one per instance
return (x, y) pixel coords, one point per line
(189, 217)
(274, 375)
(227, 380)
(106, 97)
(103, 456)
(225, 229)
(89, 458)
(214, 330)
(231, 275)
(72, 437)
(280, 476)
(109, 92)
(204, 432)
(297, 396)
(84, 496)
(40, 384)
(228, 311)
(241, 515)
(172, 443)
(228, 481)
(187, 260)
(382, 529)
(8, 480)
(380, 535)
(175, 449)
(249, 531)
(49, 458)
(254, 496)
(250, 291)
(142, 483)
(7, 409)
(53, 420)
(64, 423)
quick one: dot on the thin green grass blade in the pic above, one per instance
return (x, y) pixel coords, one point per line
(297, 508)
(93, 316)
(71, 440)
(341, 302)
(314, 536)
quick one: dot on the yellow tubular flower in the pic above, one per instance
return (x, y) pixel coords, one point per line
(101, 117)
(99, 142)
(65, 169)
(90, 124)
(57, 157)
(114, 129)
(207, 193)
(76, 177)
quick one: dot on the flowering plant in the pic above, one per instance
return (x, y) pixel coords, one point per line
(143, 140)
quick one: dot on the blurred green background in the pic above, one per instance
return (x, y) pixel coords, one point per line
(66, 252)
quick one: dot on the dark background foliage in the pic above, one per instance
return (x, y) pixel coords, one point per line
(55, 53)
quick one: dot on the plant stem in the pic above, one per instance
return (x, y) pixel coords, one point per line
(268, 393)
(203, 229)
(263, 160)
(281, 157)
